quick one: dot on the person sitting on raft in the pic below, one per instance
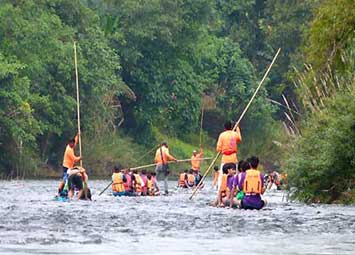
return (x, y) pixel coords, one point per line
(252, 184)
(151, 186)
(145, 180)
(190, 180)
(118, 180)
(235, 193)
(75, 182)
(138, 183)
(182, 179)
(224, 190)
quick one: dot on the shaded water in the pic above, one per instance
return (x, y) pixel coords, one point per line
(32, 223)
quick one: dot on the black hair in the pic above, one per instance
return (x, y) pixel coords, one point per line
(228, 166)
(191, 171)
(164, 143)
(72, 140)
(186, 170)
(144, 171)
(254, 162)
(117, 168)
(240, 163)
(216, 168)
(135, 171)
(245, 166)
(228, 125)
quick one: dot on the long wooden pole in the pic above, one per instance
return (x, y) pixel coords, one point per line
(237, 123)
(201, 124)
(150, 165)
(77, 100)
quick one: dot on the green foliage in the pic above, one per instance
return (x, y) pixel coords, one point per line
(322, 162)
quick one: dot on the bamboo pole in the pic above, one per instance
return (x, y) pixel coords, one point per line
(237, 123)
(201, 124)
(77, 101)
(150, 165)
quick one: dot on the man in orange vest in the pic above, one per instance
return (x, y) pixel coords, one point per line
(69, 156)
(196, 160)
(162, 156)
(227, 146)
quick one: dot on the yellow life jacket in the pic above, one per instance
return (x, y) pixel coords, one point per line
(149, 184)
(138, 183)
(117, 185)
(182, 179)
(252, 182)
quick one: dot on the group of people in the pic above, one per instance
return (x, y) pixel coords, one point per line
(130, 183)
(192, 177)
(242, 189)
(75, 178)
(245, 188)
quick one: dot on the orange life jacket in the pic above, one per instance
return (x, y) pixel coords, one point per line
(138, 183)
(224, 187)
(162, 155)
(128, 184)
(182, 180)
(117, 185)
(252, 182)
(227, 145)
(191, 179)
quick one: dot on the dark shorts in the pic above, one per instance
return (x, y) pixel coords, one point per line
(65, 175)
(75, 182)
(249, 206)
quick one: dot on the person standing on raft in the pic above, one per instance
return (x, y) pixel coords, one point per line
(227, 146)
(196, 160)
(69, 156)
(162, 156)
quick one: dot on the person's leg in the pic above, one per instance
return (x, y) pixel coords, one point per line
(166, 184)
(219, 182)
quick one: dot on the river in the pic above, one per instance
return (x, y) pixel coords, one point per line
(31, 222)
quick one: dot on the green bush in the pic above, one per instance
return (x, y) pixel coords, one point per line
(322, 162)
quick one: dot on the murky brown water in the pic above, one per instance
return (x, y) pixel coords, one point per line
(32, 223)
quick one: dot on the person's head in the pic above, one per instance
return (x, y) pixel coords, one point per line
(186, 171)
(254, 162)
(240, 163)
(191, 171)
(144, 171)
(135, 171)
(117, 169)
(228, 125)
(165, 144)
(149, 176)
(245, 166)
(194, 152)
(71, 142)
(229, 168)
(154, 174)
(126, 171)
(215, 168)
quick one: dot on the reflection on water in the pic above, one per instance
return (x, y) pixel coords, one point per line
(32, 223)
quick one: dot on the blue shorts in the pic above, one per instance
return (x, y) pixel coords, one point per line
(65, 174)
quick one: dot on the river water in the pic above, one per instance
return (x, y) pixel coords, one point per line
(31, 222)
